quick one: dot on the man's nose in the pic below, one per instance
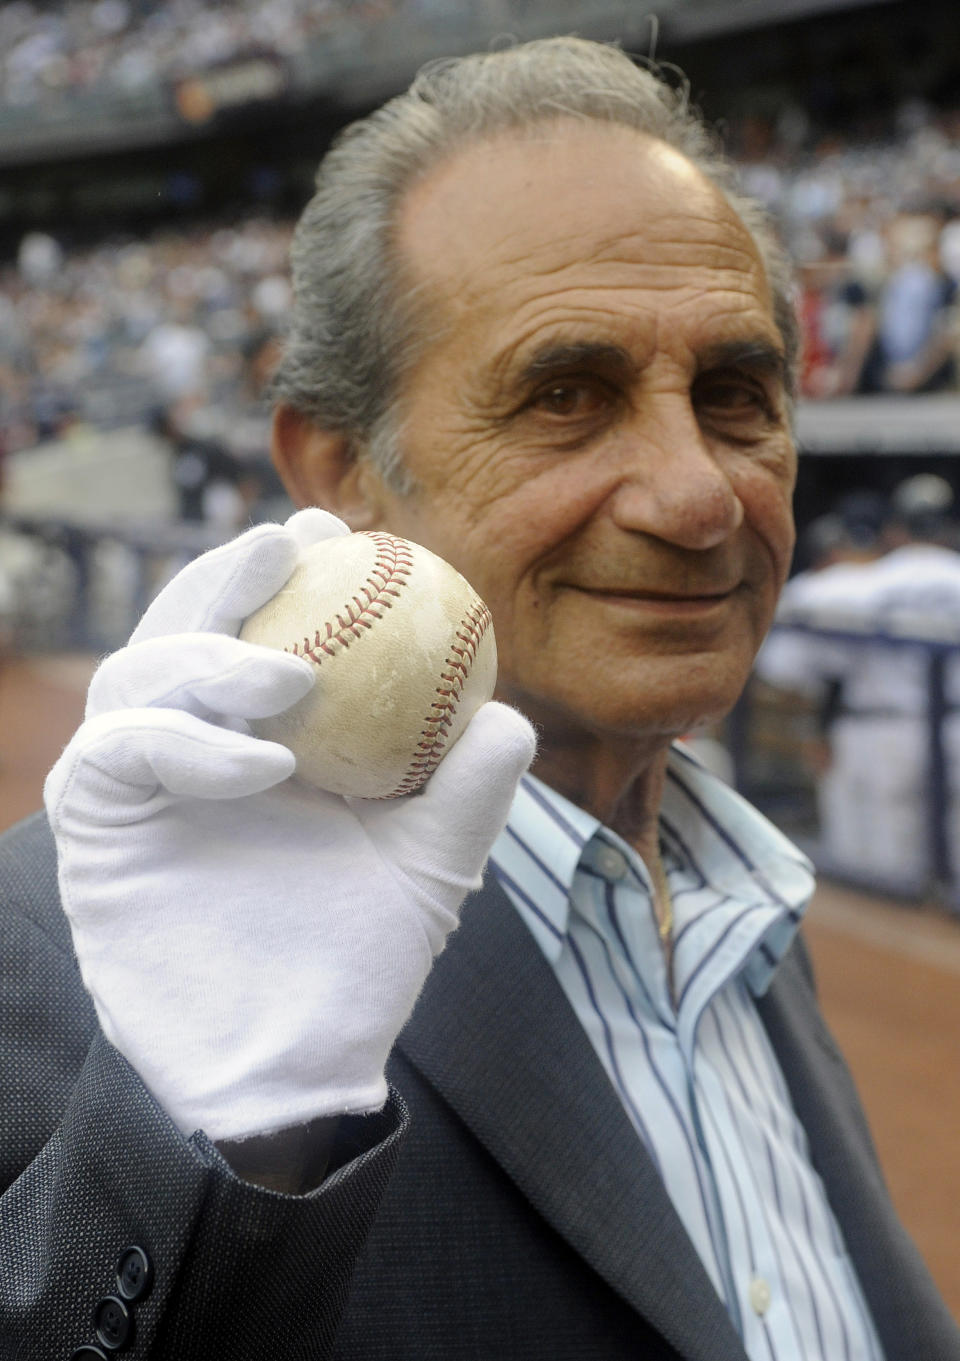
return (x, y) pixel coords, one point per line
(673, 487)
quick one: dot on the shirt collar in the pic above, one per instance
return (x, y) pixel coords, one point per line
(744, 851)
(537, 855)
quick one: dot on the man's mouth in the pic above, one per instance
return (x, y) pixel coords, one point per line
(652, 603)
(657, 599)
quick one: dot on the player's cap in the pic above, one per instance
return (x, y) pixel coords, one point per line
(923, 494)
(924, 504)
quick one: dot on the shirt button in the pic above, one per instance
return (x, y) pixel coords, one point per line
(759, 1295)
(611, 863)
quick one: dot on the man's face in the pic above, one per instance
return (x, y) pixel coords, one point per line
(598, 432)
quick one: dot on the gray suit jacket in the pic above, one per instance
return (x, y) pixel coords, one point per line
(518, 1216)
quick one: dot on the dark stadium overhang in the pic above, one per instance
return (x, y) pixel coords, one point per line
(691, 20)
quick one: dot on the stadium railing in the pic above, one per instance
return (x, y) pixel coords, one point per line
(55, 596)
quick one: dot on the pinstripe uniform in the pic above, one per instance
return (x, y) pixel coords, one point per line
(875, 799)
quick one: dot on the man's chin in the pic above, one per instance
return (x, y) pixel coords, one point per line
(657, 713)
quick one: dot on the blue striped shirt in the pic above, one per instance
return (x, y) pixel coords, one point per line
(698, 1078)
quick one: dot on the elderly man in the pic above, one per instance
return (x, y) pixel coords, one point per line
(538, 332)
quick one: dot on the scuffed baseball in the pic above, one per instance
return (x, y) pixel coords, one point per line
(404, 652)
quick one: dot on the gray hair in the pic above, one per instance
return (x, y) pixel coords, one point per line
(357, 326)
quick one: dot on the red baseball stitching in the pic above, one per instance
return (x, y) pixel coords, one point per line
(390, 572)
(388, 575)
(436, 726)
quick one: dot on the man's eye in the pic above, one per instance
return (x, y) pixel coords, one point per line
(732, 395)
(572, 398)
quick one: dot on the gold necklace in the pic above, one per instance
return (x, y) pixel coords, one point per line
(663, 911)
(663, 902)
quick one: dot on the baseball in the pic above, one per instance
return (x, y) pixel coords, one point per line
(404, 652)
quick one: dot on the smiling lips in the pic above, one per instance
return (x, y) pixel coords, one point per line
(669, 602)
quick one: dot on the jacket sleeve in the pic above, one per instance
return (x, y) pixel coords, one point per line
(109, 1217)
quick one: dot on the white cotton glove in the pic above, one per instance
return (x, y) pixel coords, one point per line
(254, 946)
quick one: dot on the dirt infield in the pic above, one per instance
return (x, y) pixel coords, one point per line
(889, 980)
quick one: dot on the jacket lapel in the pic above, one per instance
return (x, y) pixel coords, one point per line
(910, 1315)
(495, 1036)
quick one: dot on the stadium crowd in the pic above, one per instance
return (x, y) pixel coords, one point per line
(50, 52)
(874, 227)
(170, 332)
(166, 328)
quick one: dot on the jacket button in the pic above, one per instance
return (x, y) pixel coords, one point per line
(134, 1274)
(112, 1323)
(88, 1354)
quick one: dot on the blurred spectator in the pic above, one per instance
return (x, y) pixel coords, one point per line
(915, 340)
(174, 356)
(221, 460)
(38, 259)
(838, 321)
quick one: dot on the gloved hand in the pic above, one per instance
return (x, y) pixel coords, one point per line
(254, 946)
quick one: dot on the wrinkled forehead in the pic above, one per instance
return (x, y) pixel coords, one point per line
(571, 201)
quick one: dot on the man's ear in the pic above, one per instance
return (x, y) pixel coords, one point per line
(319, 468)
